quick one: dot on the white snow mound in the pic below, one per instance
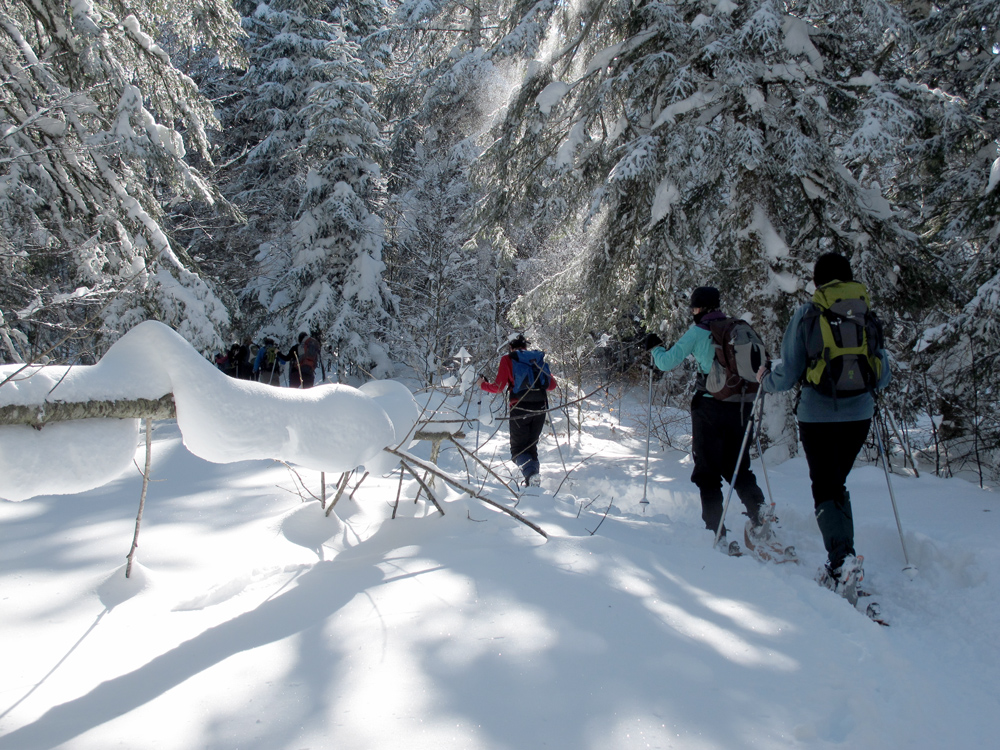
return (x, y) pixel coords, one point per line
(332, 428)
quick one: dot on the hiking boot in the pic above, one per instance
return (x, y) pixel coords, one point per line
(726, 547)
(765, 514)
(850, 571)
(535, 480)
(723, 544)
(826, 578)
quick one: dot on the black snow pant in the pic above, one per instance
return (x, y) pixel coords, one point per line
(830, 449)
(717, 429)
(526, 423)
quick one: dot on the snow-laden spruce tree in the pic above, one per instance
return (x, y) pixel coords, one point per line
(310, 181)
(725, 143)
(954, 175)
(439, 101)
(92, 112)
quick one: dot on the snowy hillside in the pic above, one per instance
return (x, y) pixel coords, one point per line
(255, 622)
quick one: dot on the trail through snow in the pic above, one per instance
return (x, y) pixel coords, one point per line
(256, 622)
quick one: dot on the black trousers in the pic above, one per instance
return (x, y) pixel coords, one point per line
(830, 449)
(717, 429)
(527, 420)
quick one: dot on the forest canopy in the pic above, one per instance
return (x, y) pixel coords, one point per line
(410, 178)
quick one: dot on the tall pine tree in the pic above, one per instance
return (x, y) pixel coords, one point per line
(310, 181)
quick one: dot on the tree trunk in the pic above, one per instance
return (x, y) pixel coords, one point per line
(39, 415)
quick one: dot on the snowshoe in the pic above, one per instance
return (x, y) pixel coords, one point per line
(762, 541)
(874, 613)
(845, 579)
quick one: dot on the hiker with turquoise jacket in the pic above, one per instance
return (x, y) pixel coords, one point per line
(717, 425)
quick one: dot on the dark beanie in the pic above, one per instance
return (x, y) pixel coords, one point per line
(705, 296)
(832, 267)
(518, 342)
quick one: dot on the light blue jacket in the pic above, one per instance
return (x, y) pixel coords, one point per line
(696, 342)
(813, 405)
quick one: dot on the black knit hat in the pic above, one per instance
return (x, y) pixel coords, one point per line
(832, 267)
(706, 297)
(518, 342)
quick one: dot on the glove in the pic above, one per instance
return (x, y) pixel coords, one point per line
(652, 341)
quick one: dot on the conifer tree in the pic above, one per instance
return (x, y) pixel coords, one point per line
(716, 143)
(310, 181)
(92, 112)
(452, 279)
(954, 173)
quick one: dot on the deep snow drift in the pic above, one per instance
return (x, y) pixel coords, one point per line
(254, 621)
(331, 428)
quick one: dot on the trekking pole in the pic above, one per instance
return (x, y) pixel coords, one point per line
(479, 417)
(649, 423)
(909, 569)
(739, 462)
(767, 482)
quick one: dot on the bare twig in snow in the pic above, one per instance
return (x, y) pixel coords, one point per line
(471, 491)
(423, 484)
(603, 517)
(142, 498)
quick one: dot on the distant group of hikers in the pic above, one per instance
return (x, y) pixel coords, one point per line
(266, 363)
(833, 346)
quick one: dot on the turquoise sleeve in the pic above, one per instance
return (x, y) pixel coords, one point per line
(668, 359)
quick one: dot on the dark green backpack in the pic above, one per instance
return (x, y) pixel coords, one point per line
(270, 358)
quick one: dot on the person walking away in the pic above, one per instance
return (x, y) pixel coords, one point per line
(717, 426)
(837, 400)
(232, 361)
(526, 378)
(268, 362)
(294, 365)
(244, 368)
(309, 354)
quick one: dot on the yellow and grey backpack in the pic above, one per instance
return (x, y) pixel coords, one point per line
(843, 338)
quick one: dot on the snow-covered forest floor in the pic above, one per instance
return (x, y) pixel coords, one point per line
(255, 622)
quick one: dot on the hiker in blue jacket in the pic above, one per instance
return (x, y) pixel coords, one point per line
(832, 428)
(717, 427)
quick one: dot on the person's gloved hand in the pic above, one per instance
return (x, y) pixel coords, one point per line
(652, 341)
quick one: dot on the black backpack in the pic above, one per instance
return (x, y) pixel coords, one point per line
(739, 353)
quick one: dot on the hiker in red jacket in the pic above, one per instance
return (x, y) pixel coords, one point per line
(526, 377)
